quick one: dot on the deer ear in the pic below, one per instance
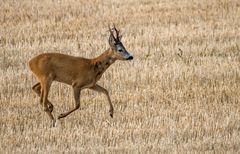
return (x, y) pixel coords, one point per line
(111, 41)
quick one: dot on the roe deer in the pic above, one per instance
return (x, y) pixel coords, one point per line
(78, 72)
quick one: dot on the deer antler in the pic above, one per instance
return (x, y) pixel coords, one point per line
(117, 31)
(111, 32)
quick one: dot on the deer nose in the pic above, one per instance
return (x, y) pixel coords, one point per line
(130, 58)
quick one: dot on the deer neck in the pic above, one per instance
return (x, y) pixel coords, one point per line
(102, 62)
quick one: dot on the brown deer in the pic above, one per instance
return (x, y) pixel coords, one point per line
(78, 72)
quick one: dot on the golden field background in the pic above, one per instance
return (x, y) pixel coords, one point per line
(180, 94)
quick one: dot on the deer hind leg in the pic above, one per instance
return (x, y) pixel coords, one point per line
(103, 90)
(37, 89)
(76, 92)
(44, 94)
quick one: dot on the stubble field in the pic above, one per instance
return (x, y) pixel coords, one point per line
(181, 93)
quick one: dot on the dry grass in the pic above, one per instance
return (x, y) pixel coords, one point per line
(180, 94)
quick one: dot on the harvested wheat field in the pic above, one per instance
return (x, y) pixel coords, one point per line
(180, 93)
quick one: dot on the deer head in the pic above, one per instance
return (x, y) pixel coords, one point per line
(119, 51)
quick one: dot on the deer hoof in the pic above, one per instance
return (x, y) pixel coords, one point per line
(50, 107)
(54, 123)
(111, 113)
(61, 116)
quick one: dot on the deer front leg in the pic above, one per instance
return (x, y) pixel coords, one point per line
(37, 89)
(103, 90)
(76, 92)
(45, 84)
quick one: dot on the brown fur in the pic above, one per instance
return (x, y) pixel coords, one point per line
(76, 71)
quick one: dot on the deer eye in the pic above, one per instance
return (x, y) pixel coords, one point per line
(120, 50)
